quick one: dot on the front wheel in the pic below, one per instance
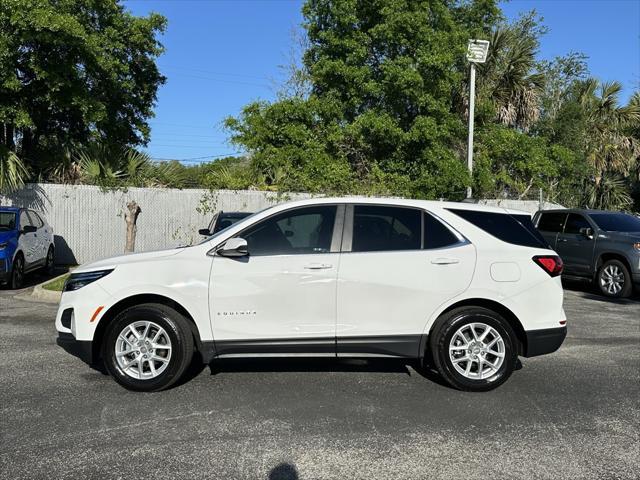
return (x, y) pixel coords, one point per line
(148, 347)
(614, 279)
(48, 264)
(17, 273)
(474, 349)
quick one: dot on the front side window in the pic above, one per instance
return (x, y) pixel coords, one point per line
(575, 222)
(24, 219)
(300, 231)
(36, 221)
(552, 221)
(377, 228)
(617, 222)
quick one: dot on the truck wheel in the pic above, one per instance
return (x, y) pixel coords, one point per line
(474, 349)
(614, 279)
(148, 347)
(48, 265)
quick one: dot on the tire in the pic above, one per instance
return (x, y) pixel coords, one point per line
(455, 325)
(614, 280)
(169, 364)
(49, 262)
(17, 273)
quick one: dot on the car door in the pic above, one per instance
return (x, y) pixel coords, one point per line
(575, 248)
(27, 241)
(282, 296)
(550, 224)
(40, 249)
(397, 267)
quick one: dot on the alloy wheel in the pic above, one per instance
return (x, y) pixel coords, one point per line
(612, 279)
(477, 351)
(143, 350)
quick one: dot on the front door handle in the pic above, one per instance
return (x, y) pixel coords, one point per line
(563, 240)
(445, 261)
(318, 266)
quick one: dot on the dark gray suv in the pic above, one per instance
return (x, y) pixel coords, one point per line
(595, 245)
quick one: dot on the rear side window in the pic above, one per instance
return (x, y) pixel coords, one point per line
(552, 221)
(515, 229)
(436, 235)
(377, 228)
(24, 219)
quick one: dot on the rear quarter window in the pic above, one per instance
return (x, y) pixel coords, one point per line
(514, 229)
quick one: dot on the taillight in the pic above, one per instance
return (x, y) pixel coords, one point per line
(552, 264)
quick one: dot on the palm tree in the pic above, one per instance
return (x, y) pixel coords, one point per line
(13, 171)
(610, 146)
(507, 80)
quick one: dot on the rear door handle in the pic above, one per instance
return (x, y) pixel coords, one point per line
(445, 261)
(318, 266)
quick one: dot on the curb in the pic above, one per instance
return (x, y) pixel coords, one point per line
(39, 294)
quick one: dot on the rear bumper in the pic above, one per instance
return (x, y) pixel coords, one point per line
(78, 348)
(541, 342)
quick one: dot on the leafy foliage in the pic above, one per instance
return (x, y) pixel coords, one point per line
(74, 71)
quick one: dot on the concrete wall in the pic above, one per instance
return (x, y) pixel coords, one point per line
(89, 222)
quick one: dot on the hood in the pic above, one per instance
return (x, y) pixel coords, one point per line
(7, 235)
(622, 236)
(125, 259)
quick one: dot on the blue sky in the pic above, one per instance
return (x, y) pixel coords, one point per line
(222, 54)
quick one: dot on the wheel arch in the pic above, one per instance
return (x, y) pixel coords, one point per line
(132, 301)
(489, 304)
(606, 256)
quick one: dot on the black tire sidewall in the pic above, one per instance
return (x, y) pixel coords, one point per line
(48, 267)
(181, 346)
(18, 261)
(626, 289)
(451, 325)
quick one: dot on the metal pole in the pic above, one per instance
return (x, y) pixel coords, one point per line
(472, 101)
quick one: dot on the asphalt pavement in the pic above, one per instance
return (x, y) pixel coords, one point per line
(573, 414)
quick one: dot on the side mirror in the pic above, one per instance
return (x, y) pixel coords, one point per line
(234, 247)
(587, 232)
(29, 229)
(204, 231)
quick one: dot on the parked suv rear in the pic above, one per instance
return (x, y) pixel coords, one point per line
(595, 245)
(460, 287)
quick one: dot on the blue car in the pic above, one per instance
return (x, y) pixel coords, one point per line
(26, 244)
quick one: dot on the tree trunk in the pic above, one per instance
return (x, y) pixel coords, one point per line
(131, 217)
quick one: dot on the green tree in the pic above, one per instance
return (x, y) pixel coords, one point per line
(378, 118)
(72, 71)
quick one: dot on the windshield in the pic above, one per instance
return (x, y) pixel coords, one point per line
(616, 222)
(235, 223)
(7, 221)
(225, 221)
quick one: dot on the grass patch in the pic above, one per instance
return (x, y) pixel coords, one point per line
(56, 285)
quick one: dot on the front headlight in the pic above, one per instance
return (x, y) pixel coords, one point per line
(78, 280)
(3, 245)
(636, 245)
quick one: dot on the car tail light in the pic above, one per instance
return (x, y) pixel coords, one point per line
(552, 264)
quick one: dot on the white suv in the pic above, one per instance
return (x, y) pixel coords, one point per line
(461, 287)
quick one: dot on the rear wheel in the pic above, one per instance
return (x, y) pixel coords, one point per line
(148, 347)
(17, 272)
(614, 279)
(474, 349)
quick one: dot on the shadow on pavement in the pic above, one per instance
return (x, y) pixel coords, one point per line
(284, 471)
(36, 277)
(588, 290)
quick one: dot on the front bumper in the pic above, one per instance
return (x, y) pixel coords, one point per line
(83, 349)
(541, 342)
(636, 279)
(5, 271)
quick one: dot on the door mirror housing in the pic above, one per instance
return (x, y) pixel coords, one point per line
(205, 232)
(587, 232)
(234, 247)
(29, 229)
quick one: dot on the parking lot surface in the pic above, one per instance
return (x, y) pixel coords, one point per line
(572, 414)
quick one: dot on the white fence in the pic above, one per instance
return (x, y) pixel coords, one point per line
(89, 222)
